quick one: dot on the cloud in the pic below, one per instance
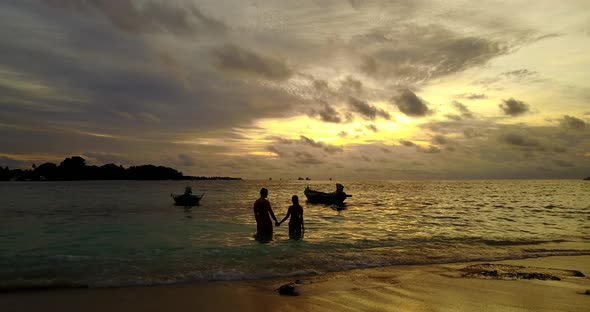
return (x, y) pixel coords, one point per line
(570, 122)
(519, 74)
(368, 111)
(320, 85)
(407, 143)
(518, 140)
(149, 117)
(514, 107)
(351, 85)
(274, 150)
(471, 133)
(372, 128)
(440, 139)
(303, 140)
(311, 142)
(151, 17)
(242, 61)
(421, 53)
(6, 161)
(369, 65)
(473, 96)
(410, 104)
(306, 158)
(101, 158)
(465, 112)
(186, 160)
(429, 150)
(331, 149)
(329, 114)
(356, 4)
(563, 163)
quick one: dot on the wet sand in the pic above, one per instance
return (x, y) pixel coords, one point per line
(554, 285)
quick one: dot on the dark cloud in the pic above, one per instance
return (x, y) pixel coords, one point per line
(372, 128)
(514, 107)
(440, 139)
(472, 133)
(329, 114)
(422, 53)
(385, 150)
(429, 150)
(305, 158)
(89, 75)
(150, 17)
(473, 96)
(330, 149)
(242, 61)
(369, 65)
(563, 163)
(519, 140)
(320, 85)
(186, 160)
(410, 104)
(368, 111)
(407, 143)
(311, 142)
(274, 150)
(351, 85)
(465, 112)
(570, 122)
(356, 4)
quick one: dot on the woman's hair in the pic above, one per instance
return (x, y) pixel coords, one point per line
(295, 199)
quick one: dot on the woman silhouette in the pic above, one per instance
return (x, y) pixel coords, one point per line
(296, 227)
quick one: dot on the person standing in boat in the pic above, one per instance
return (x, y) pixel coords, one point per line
(296, 226)
(262, 209)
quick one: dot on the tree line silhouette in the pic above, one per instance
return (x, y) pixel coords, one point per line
(75, 168)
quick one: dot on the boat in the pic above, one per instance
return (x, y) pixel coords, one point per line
(334, 198)
(187, 199)
(587, 179)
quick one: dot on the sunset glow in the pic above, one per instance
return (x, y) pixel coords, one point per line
(348, 89)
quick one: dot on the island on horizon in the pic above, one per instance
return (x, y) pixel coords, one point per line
(75, 169)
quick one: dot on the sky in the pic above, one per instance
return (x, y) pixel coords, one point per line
(357, 89)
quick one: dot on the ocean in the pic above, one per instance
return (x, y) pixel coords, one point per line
(129, 233)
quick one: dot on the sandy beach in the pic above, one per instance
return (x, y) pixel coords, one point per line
(544, 284)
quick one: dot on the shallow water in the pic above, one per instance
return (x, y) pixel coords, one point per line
(121, 233)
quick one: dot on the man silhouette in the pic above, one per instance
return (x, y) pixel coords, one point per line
(262, 210)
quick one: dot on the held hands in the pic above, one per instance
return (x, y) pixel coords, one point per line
(277, 223)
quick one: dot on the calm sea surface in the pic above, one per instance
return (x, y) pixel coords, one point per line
(122, 233)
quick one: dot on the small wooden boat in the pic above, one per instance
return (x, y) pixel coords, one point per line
(187, 199)
(334, 198)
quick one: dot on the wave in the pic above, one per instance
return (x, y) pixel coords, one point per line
(37, 285)
(25, 285)
(491, 242)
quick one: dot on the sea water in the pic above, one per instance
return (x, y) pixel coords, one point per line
(124, 233)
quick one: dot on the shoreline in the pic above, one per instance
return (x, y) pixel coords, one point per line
(433, 287)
